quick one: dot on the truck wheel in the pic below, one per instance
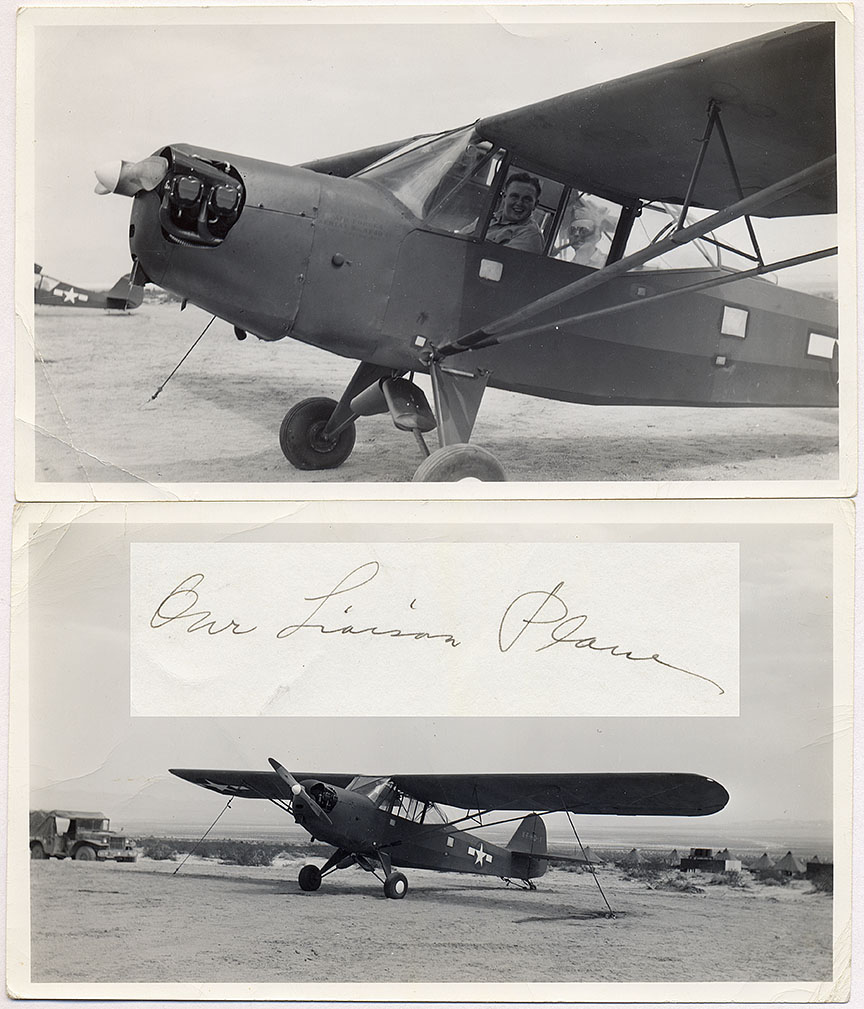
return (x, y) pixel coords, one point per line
(37, 851)
(85, 854)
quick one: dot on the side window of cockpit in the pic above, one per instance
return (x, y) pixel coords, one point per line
(585, 230)
(526, 207)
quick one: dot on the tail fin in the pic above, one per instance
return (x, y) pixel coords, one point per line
(123, 295)
(528, 847)
(530, 836)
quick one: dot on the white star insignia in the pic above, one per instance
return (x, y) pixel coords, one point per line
(480, 856)
(70, 295)
(218, 786)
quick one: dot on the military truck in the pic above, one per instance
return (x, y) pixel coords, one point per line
(66, 833)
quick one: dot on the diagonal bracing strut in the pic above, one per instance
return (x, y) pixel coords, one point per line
(490, 335)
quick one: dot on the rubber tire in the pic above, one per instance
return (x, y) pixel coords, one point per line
(309, 878)
(85, 853)
(459, 462)
(298, 436)
(395, 886)
(37, 851)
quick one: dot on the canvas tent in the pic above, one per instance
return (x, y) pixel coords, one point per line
(789, 863)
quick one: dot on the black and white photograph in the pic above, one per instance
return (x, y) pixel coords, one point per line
(596, 251)
(291, 844)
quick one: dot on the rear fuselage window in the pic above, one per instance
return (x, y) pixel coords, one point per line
(820, 345)
(734, 321)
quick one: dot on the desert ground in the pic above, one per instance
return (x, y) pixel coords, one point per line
(218, 418)
(225, 923)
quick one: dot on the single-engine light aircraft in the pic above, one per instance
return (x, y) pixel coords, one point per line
(50, 291)
(522, 252)
(381, 822)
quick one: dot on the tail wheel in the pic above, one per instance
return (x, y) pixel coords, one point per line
(309, 878)
(395, 886)
(37, 851)
(85, 854)
(301, 436)
(459, 462)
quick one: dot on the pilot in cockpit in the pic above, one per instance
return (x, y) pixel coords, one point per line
(512, 224)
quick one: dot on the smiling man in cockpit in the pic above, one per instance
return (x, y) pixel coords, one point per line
(512, 224)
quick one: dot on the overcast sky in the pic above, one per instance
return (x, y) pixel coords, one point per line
(291, 93)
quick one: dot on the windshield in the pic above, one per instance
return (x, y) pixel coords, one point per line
(445, 180)
(92, 824)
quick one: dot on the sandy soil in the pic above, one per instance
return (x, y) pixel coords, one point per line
(139, 923)
(218, 418)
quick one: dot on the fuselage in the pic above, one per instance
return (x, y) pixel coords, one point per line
(343, 264)
(366, 826)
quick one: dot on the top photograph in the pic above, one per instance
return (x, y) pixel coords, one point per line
(435, 252)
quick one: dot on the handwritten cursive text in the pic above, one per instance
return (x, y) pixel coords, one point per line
(545, 608)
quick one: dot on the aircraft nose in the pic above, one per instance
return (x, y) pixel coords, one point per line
(126, 178)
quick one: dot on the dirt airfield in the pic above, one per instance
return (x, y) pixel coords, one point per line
(224, 923)
(218, 419)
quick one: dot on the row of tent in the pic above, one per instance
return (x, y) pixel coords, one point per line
(788, 863)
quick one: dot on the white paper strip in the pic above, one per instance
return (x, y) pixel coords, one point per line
(434, 629)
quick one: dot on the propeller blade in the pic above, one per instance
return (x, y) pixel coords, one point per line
(126, 178)
(297, 790)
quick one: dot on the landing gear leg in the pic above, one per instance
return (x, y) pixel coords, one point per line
(395, 883)
(457, 401)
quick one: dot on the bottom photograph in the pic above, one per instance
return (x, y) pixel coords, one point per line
(586, 752)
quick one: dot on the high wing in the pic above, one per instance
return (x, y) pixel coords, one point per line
(638, 137)
(617, 794)
(252, 784)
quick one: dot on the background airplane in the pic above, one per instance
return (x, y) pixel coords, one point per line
(392, 262)
(377, 823)
(50, 291)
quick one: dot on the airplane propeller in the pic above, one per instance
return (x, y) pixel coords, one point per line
(297, 790)
(126, 178)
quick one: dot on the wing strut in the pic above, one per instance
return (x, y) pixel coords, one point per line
(715, 122)
(590, 867)
(702, 285)
(490, 335)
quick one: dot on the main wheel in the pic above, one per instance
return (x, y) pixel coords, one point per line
(300, 436)
(459, 462)
(309, 878)
(37, 851)
(85, 854)
(395, 886)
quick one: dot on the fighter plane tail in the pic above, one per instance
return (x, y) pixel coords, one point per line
(123, 295)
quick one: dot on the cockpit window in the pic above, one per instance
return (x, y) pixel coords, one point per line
(656, 221)
(375, 789)
(585, 230)
(385, 795)
(444, 180)
(525, 210)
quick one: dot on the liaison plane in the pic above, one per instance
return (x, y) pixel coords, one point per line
(400, 257)
(378, 823)
(50, 291)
